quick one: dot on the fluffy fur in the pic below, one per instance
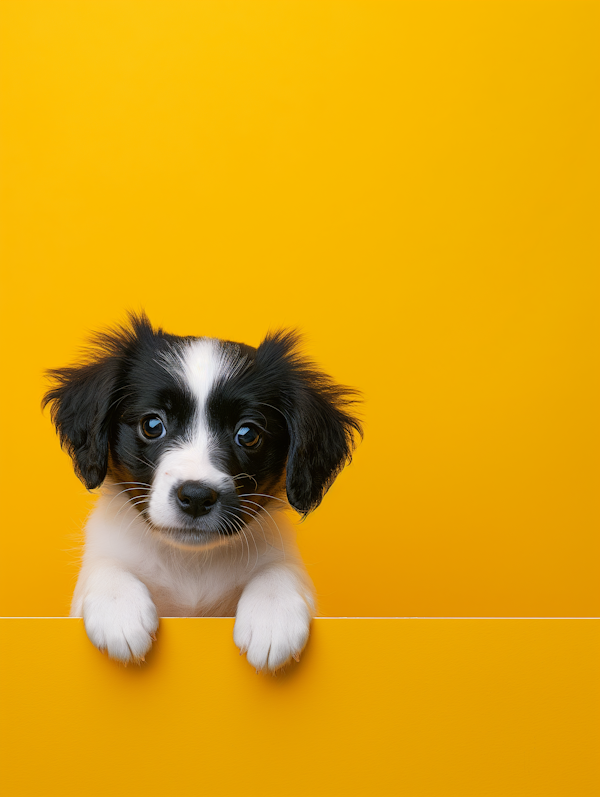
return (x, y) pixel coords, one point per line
(196, 444)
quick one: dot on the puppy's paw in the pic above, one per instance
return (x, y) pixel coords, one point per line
(271, 629)
(121, 620)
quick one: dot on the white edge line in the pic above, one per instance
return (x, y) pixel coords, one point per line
(168, 617)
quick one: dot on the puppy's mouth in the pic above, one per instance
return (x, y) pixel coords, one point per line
(199, 535)
(191, 540)
(197, 516)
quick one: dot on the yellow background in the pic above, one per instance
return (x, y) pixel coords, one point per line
(414, 185)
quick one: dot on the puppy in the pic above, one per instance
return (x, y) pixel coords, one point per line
(197, 443)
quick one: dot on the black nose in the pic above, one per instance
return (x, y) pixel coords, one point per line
(196, 499)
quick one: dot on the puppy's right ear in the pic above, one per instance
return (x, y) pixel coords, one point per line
(81, 403)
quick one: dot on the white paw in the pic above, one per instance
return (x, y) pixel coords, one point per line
(271, 629)
(121, 620)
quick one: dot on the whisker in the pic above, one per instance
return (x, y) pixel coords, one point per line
(253, 514)
(260, 507)
(130, 502)
(247, 475)
(144, 484)
(254, 518)
(121, 398)
(263, 495)
(264, 403)
(242, 530)
(135, 517)
(128, 489)
(143, 461)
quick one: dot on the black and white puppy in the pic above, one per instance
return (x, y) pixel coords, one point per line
(197, 442)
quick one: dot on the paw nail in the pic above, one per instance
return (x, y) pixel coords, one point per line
(153, 637)
(296, 657)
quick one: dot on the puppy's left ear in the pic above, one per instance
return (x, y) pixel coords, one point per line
(318, 414)
(80, 407)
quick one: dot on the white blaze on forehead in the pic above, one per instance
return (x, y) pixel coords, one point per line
(203, 363)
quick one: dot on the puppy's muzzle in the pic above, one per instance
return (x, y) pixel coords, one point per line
(196, 498)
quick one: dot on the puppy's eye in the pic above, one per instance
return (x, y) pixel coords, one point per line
(152, 427)
(247, 437)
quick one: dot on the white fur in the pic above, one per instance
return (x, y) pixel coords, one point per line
(130, 575)
(273, 616)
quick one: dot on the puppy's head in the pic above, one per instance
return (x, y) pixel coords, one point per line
(202, 433)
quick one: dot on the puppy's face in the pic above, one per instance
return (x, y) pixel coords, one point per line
(201, 434)
(198, 442)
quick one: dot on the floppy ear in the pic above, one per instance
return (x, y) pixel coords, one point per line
(317, 413)
(85, 397)
(81, 403)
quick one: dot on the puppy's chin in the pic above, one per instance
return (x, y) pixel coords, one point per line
(191, 540)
